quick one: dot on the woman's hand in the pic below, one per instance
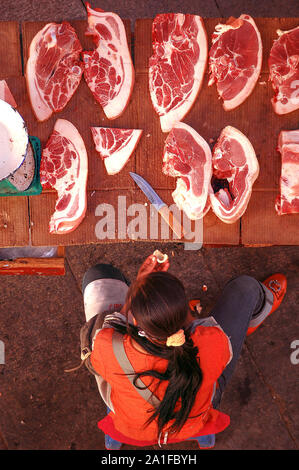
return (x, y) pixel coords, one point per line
(151, 265)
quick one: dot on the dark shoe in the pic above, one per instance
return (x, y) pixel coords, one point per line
(277, 284)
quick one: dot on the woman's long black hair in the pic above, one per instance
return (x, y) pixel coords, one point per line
(158, 303)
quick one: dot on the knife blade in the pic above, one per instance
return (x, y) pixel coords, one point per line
(159, 205)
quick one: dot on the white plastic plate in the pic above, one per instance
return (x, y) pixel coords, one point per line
(13, 140)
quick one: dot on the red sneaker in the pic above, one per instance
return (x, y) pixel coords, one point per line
(277, 284)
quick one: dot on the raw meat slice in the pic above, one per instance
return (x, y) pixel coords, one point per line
(177, 66)
(235, 60)
(188, 156)
(235, 169)
(108, 70)
(64, 167)
(54, 69)
(284, 71)
(6, 95)
(115, 146)
(13, 140)
(288, 146)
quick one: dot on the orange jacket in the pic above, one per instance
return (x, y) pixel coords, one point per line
(132, 411)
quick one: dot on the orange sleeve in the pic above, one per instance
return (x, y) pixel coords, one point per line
(97, 357)
(214, 350)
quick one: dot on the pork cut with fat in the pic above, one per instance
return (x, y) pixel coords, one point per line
(177, 66)
(288, 146)
(64, 167)
(108, 70)
(115, 146)
(54, 69)
(284, 71)
(235, 169)
(235, 60)
(188, 157)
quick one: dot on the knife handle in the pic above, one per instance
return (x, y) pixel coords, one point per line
(172, 221)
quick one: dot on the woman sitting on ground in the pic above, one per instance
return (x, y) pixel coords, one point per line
(185, 362)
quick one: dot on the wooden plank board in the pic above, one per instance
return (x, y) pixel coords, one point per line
(133, 218)
(255, 118)
(14, 221)
(261, 225)
(33, 266)
(42, 207)
(213, 232)
(10, 50)
(14, 217)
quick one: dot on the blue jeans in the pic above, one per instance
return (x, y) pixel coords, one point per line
(243, 301)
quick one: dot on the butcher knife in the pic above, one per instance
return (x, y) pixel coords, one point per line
(159, 205)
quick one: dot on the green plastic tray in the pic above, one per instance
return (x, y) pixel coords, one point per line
(8, 189)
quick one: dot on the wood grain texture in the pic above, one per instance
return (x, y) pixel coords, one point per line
(33, 266)
(214, 231)
(254, 117)
(14, 215)
(261, 225)
(10, 50)
(42, 207)
(14, 221)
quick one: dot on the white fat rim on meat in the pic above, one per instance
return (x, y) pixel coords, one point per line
(115, 162)
(13, 140)
(194, 206)
(237, 100)
(289, 140)
(253, 172)
(39, 105)
(292, 103)
(116, 106)
(288, 137)
(60, 222)
(290, 179)
(168, 120)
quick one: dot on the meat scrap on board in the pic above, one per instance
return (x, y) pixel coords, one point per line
(6, 95)
(115, 146)
(288, 146)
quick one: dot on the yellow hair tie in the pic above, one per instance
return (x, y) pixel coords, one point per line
(177, 339)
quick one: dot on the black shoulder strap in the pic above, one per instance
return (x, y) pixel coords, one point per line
(122, 358)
